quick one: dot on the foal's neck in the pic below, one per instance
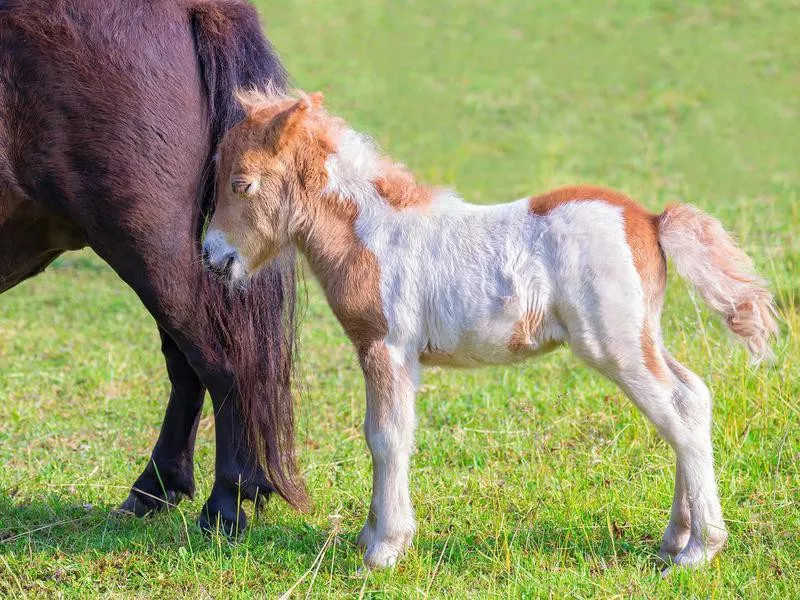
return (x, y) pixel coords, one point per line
(363, 192)
(357, 172)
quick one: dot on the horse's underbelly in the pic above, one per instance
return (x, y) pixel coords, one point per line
(511, 335)
(492, 345)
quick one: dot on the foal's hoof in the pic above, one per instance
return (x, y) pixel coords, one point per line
(671, 545)
(383, 553)
(697, 553)
(222, 521)
(140, 504)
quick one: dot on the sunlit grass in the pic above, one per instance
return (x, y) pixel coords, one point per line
(536, 480)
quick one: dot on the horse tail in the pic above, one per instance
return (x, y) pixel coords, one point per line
(706, 256)
(253, 327)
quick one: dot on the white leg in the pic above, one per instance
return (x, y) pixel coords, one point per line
(679, 405)
(389, 430)
(707, 530)
(683, 417)
(677, 532)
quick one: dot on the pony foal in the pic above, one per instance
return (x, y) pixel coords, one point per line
(418, 276)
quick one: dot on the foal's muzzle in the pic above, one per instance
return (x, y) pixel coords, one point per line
(222, 259)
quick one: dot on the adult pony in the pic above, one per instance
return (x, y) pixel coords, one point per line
(110, 113)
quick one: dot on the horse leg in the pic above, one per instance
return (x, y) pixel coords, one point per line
(193, 369)
(169, 474)
(238, 475)
(389, 430)
(677, 402)
(173, 293)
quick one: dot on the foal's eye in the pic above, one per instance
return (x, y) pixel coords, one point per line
(244, 186)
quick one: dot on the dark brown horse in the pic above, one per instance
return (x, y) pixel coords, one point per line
(110, 112)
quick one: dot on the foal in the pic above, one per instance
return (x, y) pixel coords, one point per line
(418, 276)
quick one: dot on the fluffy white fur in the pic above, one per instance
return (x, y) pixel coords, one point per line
(456, 278)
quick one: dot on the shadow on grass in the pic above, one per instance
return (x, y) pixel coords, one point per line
(51, 523)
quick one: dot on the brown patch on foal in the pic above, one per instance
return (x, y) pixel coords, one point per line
(524, 332)
(398, 186)
(348, 271)
(641, 233)
(653, 359)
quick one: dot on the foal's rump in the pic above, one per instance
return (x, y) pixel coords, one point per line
(609, 267)
(607, 278)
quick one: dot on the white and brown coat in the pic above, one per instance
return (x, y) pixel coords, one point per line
(418, 276)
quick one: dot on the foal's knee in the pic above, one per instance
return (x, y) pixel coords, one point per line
(383, 439)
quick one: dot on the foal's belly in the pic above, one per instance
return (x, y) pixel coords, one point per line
(492, 347)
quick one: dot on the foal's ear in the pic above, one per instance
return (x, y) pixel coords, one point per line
(286, 124)
(316, 99)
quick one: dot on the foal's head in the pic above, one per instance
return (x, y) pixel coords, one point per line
(268, 163)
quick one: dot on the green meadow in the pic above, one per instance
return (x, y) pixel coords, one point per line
(538, 480)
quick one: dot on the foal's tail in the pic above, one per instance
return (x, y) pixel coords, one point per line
(252, 328)
(707, 257)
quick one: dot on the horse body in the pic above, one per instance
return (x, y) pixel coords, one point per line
(458, 279)
(109, 115)
(415, 274)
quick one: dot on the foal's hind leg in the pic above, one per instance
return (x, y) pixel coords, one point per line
(707, 533)
(677, 532)
(681, 413)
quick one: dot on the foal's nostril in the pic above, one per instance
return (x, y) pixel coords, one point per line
(226, 270)
(206, 258)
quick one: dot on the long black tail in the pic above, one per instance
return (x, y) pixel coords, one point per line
(254, 326)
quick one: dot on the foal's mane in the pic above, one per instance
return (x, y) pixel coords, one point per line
(359, 154)
(255, 100)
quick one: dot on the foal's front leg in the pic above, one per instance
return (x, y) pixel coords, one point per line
(389, 429)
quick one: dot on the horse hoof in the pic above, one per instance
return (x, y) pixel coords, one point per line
(382, 554)
(219, 522)
(139, 504)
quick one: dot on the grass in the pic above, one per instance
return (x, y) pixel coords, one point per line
(538, 480)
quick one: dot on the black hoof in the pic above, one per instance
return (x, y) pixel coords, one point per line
(229, 521)
(140, 504)
(222, 512)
